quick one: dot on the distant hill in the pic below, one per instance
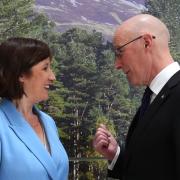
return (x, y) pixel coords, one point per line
(101, 15)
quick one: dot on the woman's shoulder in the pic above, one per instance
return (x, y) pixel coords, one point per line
(4, 123)
(2, 116)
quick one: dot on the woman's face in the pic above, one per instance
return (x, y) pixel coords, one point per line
(37, 84)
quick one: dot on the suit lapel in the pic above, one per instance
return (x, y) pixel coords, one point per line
(27, 135)
(153, 108)
(53, 139)
(137, 132)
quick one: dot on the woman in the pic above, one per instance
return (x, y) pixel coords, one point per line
(29, 145)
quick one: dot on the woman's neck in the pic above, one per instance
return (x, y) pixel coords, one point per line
(24, 106)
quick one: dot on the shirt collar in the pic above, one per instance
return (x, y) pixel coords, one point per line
(163, 76)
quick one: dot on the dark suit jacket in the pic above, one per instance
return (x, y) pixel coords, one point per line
(152, 150)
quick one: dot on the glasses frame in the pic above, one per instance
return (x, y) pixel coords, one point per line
(118, 51)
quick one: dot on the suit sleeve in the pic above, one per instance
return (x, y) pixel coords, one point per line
(117, 171)
(176, 144)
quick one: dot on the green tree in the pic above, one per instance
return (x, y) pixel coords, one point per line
(93, 89)
(18, 18)
(77, 74)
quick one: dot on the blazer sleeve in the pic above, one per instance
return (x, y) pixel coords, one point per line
(176, 144)
(0, 151)
(117, 171)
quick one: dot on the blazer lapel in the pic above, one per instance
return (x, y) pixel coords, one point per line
(153, 108)
(53, 139)
(137, 132)
(27, 135)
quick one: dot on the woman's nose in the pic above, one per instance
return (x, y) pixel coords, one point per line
(52, 76)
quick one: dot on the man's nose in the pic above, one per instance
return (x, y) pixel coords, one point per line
(118, 64)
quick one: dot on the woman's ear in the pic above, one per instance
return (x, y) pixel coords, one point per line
(21, 78)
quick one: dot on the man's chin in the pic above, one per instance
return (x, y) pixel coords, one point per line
(134, 83)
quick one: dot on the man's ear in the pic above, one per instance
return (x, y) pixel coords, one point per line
(147, 40)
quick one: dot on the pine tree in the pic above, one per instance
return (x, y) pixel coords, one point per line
(19, 18)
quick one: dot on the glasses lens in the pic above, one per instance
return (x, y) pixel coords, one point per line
(118, 52)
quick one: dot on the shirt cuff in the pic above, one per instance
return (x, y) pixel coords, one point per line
(113, 162)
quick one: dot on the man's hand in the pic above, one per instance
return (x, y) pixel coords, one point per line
(105, 143)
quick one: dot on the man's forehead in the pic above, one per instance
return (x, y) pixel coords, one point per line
(120, 38)
(125, 31)
(117, 40)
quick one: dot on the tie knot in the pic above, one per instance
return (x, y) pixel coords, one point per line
(147, 94)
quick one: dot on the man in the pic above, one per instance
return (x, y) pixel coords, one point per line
(152, 148)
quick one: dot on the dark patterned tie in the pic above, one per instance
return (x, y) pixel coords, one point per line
(145, 102)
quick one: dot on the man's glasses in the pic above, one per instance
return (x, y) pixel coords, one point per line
(118, 51)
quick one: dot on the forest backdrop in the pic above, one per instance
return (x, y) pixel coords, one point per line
(88, 90)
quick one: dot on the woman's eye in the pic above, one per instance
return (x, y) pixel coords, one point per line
(45, 68)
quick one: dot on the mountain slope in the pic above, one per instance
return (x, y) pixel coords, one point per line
(101, 15)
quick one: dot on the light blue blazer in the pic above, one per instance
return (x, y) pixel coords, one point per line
(22, 155)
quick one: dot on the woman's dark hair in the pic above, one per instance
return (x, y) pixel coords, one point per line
(17, 57)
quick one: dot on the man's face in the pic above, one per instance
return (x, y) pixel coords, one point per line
(130, 57)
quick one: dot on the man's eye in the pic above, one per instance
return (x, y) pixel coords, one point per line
(118, 53)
